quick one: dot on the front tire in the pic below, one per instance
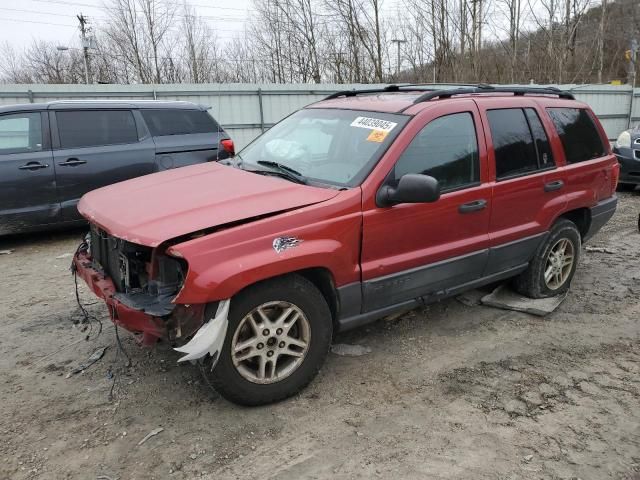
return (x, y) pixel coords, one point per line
(552, 268)
(278, 337)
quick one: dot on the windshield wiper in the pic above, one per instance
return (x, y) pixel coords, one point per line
(288, 172)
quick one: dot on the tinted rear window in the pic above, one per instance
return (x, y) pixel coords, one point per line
(578, 133)
(513, 144)
(179, 122)
(88, 128)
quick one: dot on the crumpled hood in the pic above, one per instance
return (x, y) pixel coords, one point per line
(152, 209)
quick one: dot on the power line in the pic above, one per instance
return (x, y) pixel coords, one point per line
(178, 4)
(105, 19)
(176, 29)
(4, 19)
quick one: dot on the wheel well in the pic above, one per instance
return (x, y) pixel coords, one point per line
(323, 280)
(581, 217)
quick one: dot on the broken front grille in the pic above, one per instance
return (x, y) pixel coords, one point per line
(122, 261)
(128, 266)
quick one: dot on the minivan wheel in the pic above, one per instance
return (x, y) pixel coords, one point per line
(554, 263)
(278, 338)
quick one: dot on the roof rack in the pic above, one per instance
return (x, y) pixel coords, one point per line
(354, 92)
(490, 89)
(431, 93)
(397, 88)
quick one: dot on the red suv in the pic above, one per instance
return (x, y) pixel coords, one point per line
(352, 208)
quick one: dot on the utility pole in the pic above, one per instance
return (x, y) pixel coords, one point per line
(398, 41)
(84, 21)
(603, 9)
(632, 55)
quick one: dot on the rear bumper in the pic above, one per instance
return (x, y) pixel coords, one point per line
(131, 319)
(601, 213)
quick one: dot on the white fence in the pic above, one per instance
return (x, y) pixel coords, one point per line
(246, 110)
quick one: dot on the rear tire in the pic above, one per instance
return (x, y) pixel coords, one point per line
(552, 267)
(280, 357)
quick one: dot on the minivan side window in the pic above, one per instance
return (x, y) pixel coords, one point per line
(513, 145)
(90, 128)
(446, 149)
(577, 131)
(20, 133)
(178, 121)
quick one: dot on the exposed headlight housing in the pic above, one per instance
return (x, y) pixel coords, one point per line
(624, 140)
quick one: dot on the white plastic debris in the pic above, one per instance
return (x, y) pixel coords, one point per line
(210, 338)
(152, 433)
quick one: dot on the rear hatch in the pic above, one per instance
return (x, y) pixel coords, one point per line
(185, 136)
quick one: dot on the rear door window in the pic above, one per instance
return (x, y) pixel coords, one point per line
(578, 133)
(179, 122)
(515, 151)
(20, 133)
(90, 128)
(541, 141)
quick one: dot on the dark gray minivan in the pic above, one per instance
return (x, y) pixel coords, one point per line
(53, 153)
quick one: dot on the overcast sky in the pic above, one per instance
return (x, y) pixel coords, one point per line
(55, 20)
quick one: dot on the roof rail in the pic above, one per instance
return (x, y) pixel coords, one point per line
(397, 88)
(431, 93)
(354, 92)
(490, 89)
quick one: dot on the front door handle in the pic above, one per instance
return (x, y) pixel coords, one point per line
(553, 186)
(33, 166)
(473, 206)
(72, 162)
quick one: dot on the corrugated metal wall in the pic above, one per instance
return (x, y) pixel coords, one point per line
(247, 109)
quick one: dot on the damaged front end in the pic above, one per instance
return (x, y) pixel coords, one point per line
(138, 284)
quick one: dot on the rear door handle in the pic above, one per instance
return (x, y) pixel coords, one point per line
(552, 186)
(33, 166)
(72, 162)
(473, 206)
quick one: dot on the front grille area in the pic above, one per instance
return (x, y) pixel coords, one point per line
(122, 261)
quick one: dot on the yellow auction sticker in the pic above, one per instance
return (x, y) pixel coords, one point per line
(377, 136)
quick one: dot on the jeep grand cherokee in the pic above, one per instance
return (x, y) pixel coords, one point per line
(350, 209)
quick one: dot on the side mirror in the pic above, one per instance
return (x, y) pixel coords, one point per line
(412, 188)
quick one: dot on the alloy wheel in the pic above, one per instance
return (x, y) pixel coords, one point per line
(559, 264)
(271, 342)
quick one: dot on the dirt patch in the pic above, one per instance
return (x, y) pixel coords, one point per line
(449, 391)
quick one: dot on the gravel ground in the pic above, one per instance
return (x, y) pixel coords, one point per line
(449, 391)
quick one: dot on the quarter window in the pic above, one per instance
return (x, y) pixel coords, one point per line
(89, 128)
(577, 131)
(446, 149)
(20, 133)
(179, 122)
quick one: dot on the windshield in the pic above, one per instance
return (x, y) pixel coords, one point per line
(338, 147)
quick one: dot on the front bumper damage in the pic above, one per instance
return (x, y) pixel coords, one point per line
(209, 338)
(152, 323)
(136, 321)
